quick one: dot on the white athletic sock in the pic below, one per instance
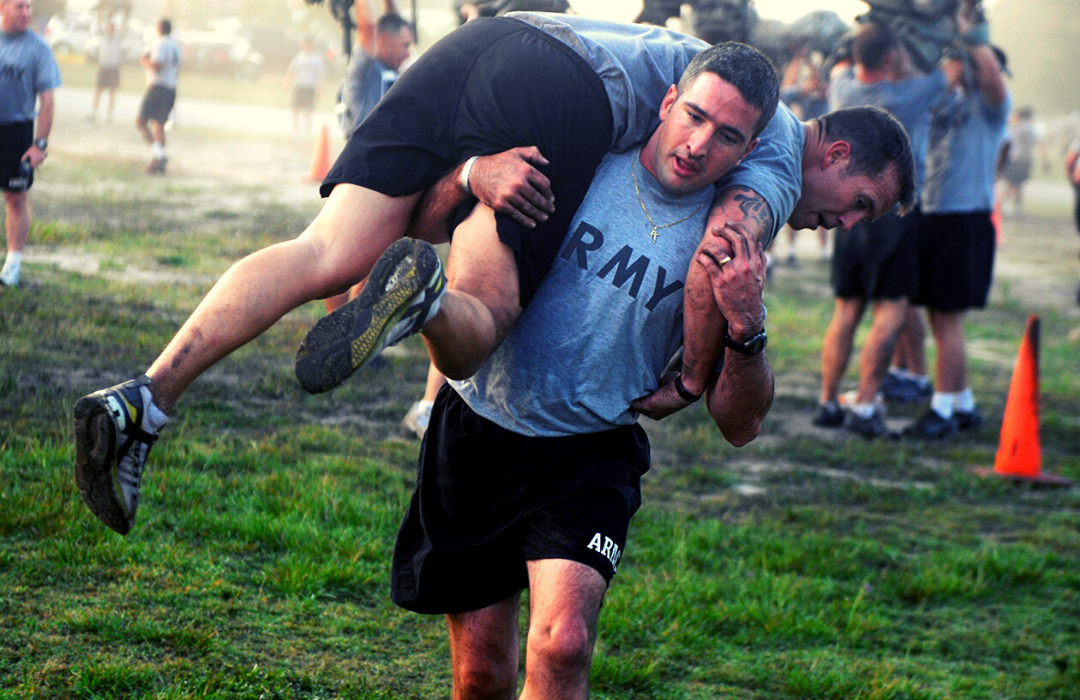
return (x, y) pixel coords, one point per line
(964, 401)
(942, 404)
(10, 273)
(157, 150)
(864, 410)
(153, 418)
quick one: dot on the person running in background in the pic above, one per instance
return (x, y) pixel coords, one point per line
(28, 77)
(162, 64)
(108, 73)
(304, 74)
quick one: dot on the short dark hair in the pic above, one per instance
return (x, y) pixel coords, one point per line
(165, 27)
(877, 141)
(872, 45)
(391, 23)
(744, 67)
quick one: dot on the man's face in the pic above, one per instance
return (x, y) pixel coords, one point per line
(393, 48)
(704, 132)
(15, 16)
(831, 198)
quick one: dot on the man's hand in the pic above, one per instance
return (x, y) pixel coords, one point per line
(509, 183)
(35, 155)
(663, 401)
(735, 263)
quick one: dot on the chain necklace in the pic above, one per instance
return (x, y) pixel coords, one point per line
(655, 227)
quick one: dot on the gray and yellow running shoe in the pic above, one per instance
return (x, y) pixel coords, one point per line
(113, 437)
(402, 293)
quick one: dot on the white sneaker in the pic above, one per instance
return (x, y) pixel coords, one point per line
(9, 277)
(417, 419)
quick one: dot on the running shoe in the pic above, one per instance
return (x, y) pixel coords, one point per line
(113, 437)
(417, 419)
(900, 389)
(968, 420)
(402, 294)
(869, 428)
(932, 426)
(828, 415)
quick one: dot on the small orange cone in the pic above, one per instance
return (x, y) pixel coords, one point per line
(1019, 455)
(995, 218)
(320, 159)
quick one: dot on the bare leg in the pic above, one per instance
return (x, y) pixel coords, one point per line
(144, 130)
(951, 357)
(17, 224)
(565, 599)
(336, 250)
(889, 318)
(911, 345)
(836, 348)
(435, 381)
(482, 300)
(484, 651)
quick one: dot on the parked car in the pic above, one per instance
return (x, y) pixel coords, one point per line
(68, 33)
(221, 53)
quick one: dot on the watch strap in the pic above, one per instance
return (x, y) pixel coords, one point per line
(683, 392)
(754, 346)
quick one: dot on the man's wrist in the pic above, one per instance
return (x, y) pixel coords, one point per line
(684, 393)
(41, 144)
(466, 172)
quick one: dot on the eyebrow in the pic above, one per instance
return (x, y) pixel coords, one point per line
(721, 126)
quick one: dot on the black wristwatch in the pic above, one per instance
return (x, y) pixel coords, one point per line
(683, 392)
(753, 346)
(42, 144)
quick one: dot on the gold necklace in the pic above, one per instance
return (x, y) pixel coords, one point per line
(655, 228)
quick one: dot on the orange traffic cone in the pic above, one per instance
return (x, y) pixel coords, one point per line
(320, 159)
(995, 218)
(1019, 455)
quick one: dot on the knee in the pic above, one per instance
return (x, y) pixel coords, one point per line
(563, 647)
(485, 679)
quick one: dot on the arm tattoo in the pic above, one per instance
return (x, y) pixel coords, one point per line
(755, 212)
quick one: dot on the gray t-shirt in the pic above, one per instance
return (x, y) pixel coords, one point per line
(27, 68)
(607, 317)
(167, 53)
(908, 100)
(366, 81)
(965, 135)
(636, 62)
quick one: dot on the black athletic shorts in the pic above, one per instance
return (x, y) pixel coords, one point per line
(876, 260)
(108, 77)
(488, 86)
(1076, 206)
(303, 99)
(157, 103)
(956, 261)
(15, 140)
(488, 500)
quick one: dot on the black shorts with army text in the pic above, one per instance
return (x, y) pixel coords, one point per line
(489, 500)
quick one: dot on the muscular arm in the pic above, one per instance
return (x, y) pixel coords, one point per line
(508, 182)
(365, 23)
(740, 219)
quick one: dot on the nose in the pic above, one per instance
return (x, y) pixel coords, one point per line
(849, 219)
(697, 142)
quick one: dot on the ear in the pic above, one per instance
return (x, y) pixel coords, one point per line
(838, 151)
(750, 147)
(669, 101)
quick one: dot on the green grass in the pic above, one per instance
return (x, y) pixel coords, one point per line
(801, 566)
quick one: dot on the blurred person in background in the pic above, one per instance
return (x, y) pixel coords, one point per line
(1017, 157)
(28, 77)
(162, 64)
(805, 93)
(874, 262)
(382, 46)
(108, 72)
(304, 74)
(957, 239)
